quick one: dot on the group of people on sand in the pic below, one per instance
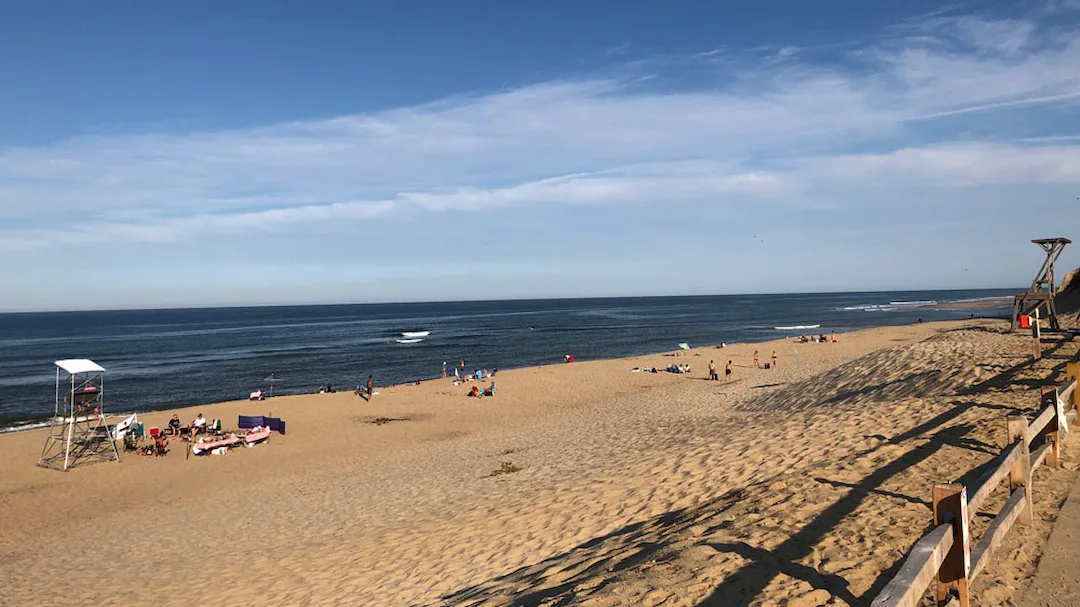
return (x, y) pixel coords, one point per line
(712, 371)
(476, 392)
(197, 426)
(174, 429)
(821, 339)
(367, 390)
(728, 368)
(460, 375)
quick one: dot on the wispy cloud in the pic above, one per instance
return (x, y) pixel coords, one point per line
(777, 128)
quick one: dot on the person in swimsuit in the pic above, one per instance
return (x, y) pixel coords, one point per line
(756, 365)
(774, 359)
(712, 371)
(727, 370)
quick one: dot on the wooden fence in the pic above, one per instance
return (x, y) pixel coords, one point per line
(944, 556)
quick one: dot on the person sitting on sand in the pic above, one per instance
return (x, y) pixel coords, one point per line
(475, 391)
(198, 426)
(174, 425)
(161, 444)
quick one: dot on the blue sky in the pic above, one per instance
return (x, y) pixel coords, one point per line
(197, 153)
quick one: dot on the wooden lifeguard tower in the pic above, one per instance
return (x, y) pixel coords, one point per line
(1040, 295)
(78, 434)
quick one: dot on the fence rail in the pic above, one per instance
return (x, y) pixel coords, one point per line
(944, 558)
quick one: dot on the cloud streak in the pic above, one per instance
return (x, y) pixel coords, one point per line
(763, 130)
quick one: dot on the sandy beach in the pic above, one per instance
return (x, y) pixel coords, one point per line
(583, 484)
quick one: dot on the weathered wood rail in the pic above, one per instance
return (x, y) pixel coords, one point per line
(944, 557)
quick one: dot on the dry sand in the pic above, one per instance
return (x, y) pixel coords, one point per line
(802, 486)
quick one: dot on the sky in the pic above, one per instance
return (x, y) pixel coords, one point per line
(176, 154)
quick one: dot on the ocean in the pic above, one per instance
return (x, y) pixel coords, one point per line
(160, 359)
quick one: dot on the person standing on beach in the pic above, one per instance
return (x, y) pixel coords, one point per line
(712, 371)
(370, 388)
(444, 370)
(756, 364)
(463, 367)
(774, 359)
(727, 371)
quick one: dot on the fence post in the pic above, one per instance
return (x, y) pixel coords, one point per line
(1072, 371)
(1036, 334)
(950, 506)
(1020, 473)
(1053, 429)
(1062, 421)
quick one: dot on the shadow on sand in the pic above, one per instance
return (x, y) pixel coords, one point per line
(670, 540)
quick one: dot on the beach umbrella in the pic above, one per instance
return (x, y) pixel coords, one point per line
(272, 379)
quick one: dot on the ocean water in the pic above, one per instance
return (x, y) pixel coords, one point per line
(159, 359)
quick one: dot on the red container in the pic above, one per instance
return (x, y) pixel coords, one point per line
(1025, 321)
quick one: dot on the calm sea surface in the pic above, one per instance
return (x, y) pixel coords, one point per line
(158, 359)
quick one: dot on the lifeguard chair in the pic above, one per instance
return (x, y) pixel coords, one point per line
(1043, 290)
(78, 434)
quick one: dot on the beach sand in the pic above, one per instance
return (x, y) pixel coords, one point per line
(802, 485)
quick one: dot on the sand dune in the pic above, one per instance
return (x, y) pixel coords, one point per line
(803, 485)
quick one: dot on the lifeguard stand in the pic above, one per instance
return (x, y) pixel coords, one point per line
(78, 434)
(1043, 290)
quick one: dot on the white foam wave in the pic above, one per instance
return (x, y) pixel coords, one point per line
(797, 327)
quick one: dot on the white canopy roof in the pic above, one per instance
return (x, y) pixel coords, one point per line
(79, 365)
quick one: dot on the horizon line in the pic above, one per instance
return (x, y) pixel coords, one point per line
(493, 300)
